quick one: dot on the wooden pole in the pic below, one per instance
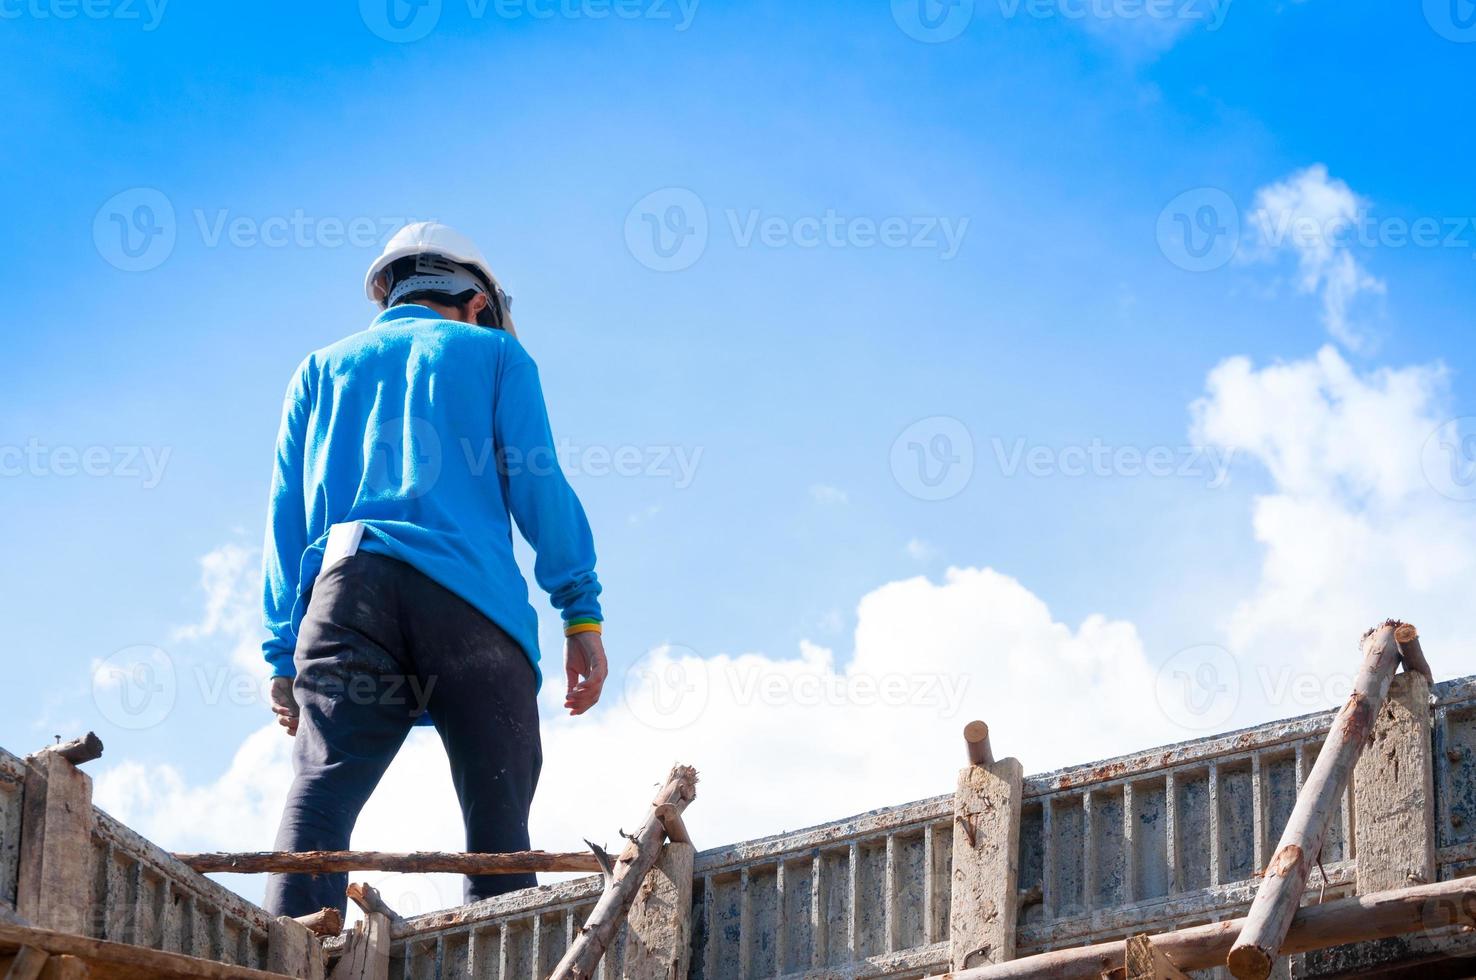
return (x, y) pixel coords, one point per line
(324, 922)
(635, 861)
(1348, 920)
(79, 750)
(324, 862)
(1411, 653)
(1285, 879)
(976, 742)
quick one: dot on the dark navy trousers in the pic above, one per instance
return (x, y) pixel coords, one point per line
(379, 644)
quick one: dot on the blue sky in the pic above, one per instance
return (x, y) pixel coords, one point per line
(1046, 142)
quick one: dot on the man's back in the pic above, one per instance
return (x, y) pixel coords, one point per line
(430, 433)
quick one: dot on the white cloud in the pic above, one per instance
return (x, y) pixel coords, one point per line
(1353, 529)
(824, 494)
(1315, 217)
(919, 550)
(230, 577)
(928, 657)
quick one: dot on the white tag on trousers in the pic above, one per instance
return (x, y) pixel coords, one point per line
(343, 542)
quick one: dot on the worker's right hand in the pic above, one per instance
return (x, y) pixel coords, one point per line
(284, 705)
(586, 668)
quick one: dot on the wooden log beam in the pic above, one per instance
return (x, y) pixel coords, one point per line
(1348, 920)
(976, 744)
(1411, 654)
(324, 922)
(671, 819)
(454, 862)
(71, 956)
(638, 857)
(1285, 878)
(82, 749)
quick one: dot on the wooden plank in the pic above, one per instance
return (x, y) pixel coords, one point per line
(658, 939)
(366, 956)
(985, 882)
(293, 950)
(54, 890)
(1394, 793)
(118, 961)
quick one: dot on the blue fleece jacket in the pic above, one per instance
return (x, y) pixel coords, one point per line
(433, 434)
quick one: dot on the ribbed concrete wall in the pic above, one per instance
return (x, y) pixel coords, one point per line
(1144, 842)
(142, 895)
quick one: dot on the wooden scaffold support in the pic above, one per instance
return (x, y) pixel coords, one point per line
(625, 877)
(54, 886)
(1285, 878)
(986, 844)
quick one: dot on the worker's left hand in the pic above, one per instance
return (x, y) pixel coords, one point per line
(284, 705)
(586, 668)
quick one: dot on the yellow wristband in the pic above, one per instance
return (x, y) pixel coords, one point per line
(582, 628)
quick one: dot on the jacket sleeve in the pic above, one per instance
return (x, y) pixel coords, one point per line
(542, 503)
(286, 529)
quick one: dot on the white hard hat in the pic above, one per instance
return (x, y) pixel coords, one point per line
(434, 238)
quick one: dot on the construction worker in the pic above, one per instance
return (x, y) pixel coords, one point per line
(391, 592)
